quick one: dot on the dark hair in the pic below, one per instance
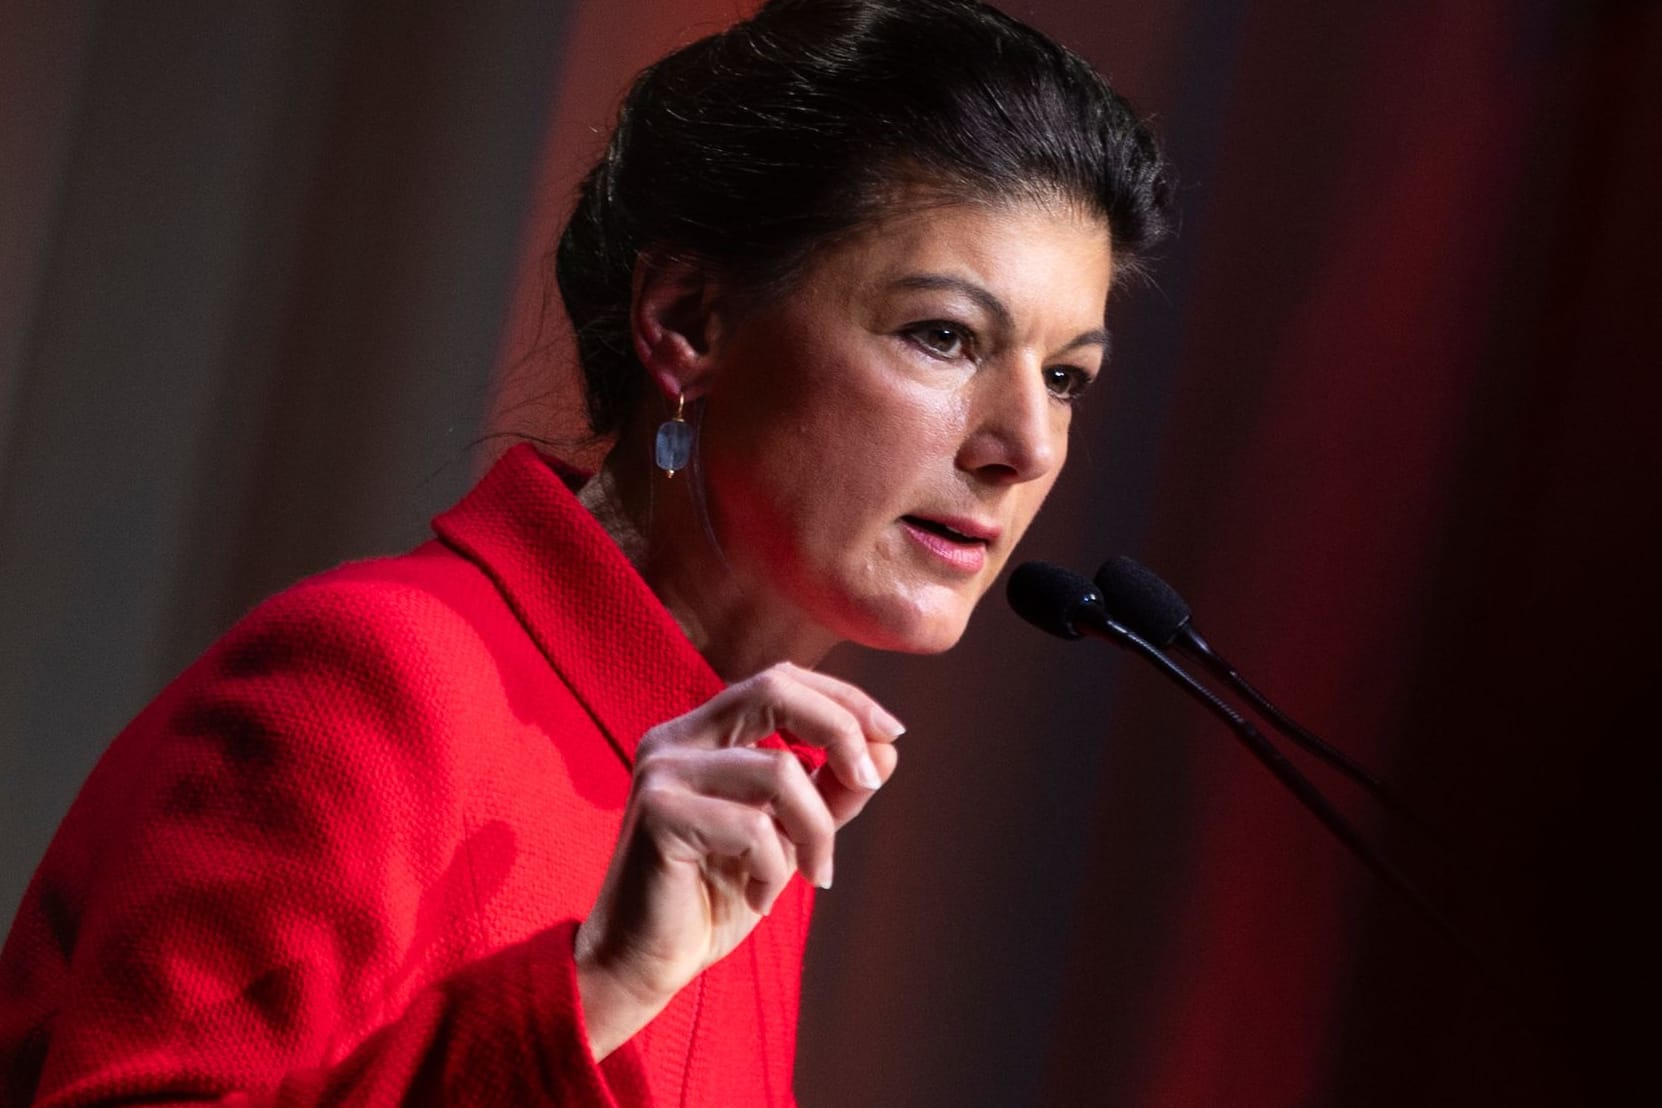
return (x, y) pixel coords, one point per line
(748, 149)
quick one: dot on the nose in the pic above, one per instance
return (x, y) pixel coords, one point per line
(1016, 430)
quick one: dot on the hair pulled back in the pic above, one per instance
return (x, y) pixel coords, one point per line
(750, 148)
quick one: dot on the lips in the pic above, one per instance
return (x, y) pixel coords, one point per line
(956, 545)
(955, 529)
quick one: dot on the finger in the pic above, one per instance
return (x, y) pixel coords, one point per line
(736, 844)
(772, 780)
(845, 803)
(777, 699)
(880, 724)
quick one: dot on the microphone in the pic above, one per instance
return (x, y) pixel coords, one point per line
(1053, 599)
(1139, 599)
(1070, 606)
(1066, 604)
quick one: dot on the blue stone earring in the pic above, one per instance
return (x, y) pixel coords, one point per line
(673, 450)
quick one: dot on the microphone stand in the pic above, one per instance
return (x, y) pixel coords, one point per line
(1094, 620)
(1190, 642)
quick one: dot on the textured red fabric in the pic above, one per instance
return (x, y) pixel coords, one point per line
(341, 859)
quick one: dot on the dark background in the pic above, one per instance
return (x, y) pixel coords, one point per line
(270, 271)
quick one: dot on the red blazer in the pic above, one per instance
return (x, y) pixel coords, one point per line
(341, 859)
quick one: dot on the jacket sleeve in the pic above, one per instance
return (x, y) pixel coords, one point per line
(264, 892)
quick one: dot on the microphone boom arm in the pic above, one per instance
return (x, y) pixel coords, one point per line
(1095, 621)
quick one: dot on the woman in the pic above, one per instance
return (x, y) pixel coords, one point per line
(509, 819)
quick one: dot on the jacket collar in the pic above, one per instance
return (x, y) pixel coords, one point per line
(592, 615)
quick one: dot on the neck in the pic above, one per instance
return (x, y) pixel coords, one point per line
(737, 620)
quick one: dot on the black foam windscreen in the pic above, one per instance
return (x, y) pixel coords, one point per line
(1136, 598)
(1050, 597)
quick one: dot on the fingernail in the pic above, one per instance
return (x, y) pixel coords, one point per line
(865, 772)
(891, 725)
(824, 881)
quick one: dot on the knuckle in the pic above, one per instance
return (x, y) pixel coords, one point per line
(759, 825)
(850, 733)
(653, 742)
(779, 764)
(653, 795)
(824, 824)
(653, 766)
(771, 683)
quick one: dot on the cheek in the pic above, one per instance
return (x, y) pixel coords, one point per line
(885, 448)
(835, 438)
(788, 473)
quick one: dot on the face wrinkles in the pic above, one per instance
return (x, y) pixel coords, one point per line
(876, 439)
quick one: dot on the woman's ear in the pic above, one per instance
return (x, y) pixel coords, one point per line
(672, 322)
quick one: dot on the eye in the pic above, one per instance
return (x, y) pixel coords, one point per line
(1067, 382)
(942, 338)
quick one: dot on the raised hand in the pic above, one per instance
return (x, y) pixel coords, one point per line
(715, 828)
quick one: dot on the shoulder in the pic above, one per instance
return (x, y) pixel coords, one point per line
(361, 710)
(390, 668)
(429, 591)
(428, 615)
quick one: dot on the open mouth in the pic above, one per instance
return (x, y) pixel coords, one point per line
(950, 549)
(935, 527)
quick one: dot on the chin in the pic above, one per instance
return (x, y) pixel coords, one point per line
(905, 629)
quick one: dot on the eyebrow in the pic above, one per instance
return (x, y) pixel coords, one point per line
(993, 306)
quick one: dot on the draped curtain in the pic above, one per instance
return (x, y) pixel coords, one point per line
(1385, 416)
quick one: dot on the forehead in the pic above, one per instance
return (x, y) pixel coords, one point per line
(1028, 253)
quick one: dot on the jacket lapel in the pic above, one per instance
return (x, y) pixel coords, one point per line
(594, 618)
